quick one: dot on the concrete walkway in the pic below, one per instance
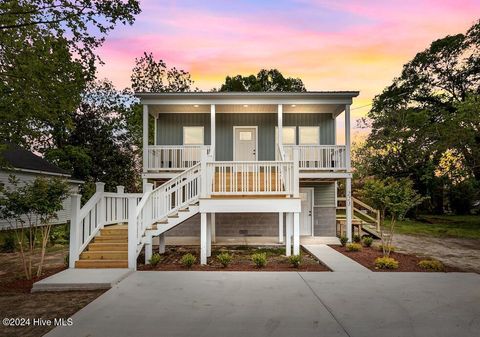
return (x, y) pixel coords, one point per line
(81, 279)
(283, 304)
(334, 260)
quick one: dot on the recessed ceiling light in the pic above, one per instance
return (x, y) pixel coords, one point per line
(195, 106)
(245, 105)
(293, 105)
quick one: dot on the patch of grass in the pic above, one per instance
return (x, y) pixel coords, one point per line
(455, 226)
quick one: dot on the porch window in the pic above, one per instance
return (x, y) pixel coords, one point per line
(289, 135)
(193, 135)
(309, 135)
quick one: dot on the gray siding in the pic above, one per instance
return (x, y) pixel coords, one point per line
(170, 129)
(323, 194)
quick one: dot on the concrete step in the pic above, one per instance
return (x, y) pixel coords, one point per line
(104, 255)
(108, 246)
(101, 264)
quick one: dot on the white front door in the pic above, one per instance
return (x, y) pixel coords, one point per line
(245, 143)
(306, 216)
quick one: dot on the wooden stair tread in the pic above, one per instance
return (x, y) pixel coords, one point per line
(101, 264)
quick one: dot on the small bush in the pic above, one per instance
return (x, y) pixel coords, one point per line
(224, 259)
(188, 260)
(386, 263)
(367, 241)
(260, 259)
(392, 248)
(155, 259)
(432, 265)
(295, 260)
(357, 239)
(343, 240)
(354, 247)
(8, 245)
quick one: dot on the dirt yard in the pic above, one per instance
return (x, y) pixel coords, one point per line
(276, 260)
(461, 253)
(16, 301)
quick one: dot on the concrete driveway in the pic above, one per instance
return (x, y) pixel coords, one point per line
(283, 304)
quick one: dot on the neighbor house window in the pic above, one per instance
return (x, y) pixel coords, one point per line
(309, 135)
(289, 135)
(193, 135)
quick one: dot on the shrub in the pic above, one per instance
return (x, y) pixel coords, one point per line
(188, 260)
(386, 263)
(155, 259)
(224, 259)
(343, 240)
(8, 245)
(260, 259)
(357, 239)
(367, 241)
(295, 260)
(392, 248)
(354, 247)
(432, 265)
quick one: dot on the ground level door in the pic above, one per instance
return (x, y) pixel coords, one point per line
(306, 217)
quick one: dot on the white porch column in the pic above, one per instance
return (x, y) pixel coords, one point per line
(75, 233)
(214, 236)
(348, 209)
(203, 238)
(132, 233)
(347, 138)
(145, 141)
(148, 249)
(209, 234)
(280, 227)
(155, 130)
(296, 233)
(296, 173)
(288, 235)
(280, 128)
(212, 130)
(161, 243)
(203, 172)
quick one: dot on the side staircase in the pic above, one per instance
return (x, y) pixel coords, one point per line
(365, 218)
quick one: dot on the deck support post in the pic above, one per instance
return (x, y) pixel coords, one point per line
(348, 208)
(132, 233)
(203, 238)
(74, 230)
(280, 129)
(288, 235)
(212, 130)
(145, 141)
(280, 227)
(148, 249)
(214, 236)
(209, 235)
(161, 243)
(296, 233)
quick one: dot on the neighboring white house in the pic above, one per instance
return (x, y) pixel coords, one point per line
(26, 166)
(225, 165)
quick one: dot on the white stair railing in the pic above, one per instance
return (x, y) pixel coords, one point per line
(102, 209)
(173, 157)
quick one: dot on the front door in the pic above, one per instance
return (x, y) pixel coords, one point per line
(245, 144)
(306, 216)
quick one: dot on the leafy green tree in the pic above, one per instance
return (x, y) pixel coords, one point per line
(99, 148)
(393, 198)
(265, 80)
(30, 210)
(416, 120)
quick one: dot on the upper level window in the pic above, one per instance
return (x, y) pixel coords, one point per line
(309, 135)
(193, 135)
(289, 135)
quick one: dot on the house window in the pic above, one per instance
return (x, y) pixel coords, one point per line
(309, 135)
(245, 135)
(289, 136)
(193, 135)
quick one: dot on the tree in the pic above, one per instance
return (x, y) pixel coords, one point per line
(265, 80)
(99, 147)
(150, 75)
(46, 58)
(393, 198)
(416, 119)
(30, 210)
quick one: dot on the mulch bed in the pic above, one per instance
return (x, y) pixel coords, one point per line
(406, 262)
(276, 260)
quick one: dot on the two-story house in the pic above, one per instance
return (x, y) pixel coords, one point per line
(228, 164)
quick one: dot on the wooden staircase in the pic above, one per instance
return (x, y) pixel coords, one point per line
(364, 217)
(109, 249)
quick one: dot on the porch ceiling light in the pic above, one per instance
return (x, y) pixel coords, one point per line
(293, 105)
(195, 105)
(245, 105)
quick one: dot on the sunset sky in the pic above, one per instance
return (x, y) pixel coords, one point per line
(329, 44)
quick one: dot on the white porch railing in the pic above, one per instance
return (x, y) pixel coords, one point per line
(255, 177)
(173, 157)
(102, 209)
(319, 157)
